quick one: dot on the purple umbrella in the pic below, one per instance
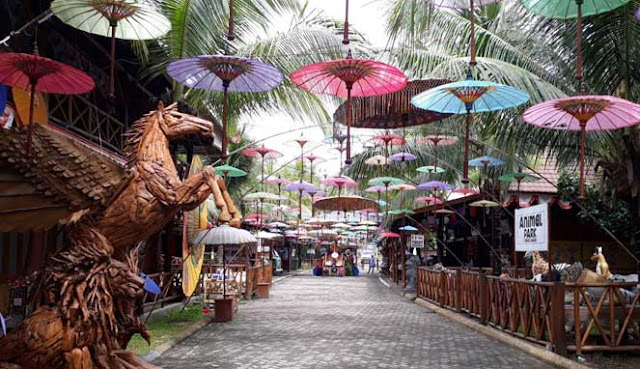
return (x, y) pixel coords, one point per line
(435, 186)
(226, 74)
(402, 157)
(301, 187)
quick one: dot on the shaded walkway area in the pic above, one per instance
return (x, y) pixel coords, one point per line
(315, 322)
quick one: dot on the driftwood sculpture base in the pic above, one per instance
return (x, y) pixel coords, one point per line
(84, 298)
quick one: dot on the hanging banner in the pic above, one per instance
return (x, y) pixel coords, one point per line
(532, 228)
(417, 241)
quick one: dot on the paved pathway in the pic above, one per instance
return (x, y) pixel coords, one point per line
(315, 322)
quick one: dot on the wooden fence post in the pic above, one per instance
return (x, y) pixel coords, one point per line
(443, 288)
(458, 302)
(484, 317)
(558, 337)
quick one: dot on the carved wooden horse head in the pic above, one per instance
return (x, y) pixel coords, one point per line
(148, 138)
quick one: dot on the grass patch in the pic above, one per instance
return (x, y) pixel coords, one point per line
(164, 328)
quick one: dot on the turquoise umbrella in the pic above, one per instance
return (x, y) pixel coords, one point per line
(430, 169)
(227, 171)
(386, 182)
(466, 97)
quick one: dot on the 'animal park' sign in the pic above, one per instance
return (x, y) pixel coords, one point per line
(532, 228)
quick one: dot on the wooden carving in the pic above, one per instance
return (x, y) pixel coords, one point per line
(84, 297)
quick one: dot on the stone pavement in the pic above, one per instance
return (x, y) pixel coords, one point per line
(328, 322)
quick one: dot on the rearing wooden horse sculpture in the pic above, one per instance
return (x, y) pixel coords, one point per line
(84, 297)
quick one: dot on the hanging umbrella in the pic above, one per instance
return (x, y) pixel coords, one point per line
(584, 113)
(278, 225)
(224, 236)
(340, 183)
(392, 110)
(341, 225)
(403, 187)
(430, 169)
(312, 159)
(226, 74)
(465, 191)
(484, 204)
(402, 211)
(435, 186)
(122, 19)
(389, 139)
(486, 161)
(436, 141)
(518, 177)
(350, 78)
(263, 153)
(386, 182)
(469, 97)
(227, 171)
(260, 196)
(278, 181)
(430, 200)
(408, 229)
(444, 211)
(345, 203)
(402, 157)
(35, 73)
(377, 160)
(300, 187)
(368, 222)
(571, 9)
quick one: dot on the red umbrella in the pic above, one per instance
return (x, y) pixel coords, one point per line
(350, 77)
(465, 191)
(340, 183)
(389, 235)
(389, 139)
(36, 73)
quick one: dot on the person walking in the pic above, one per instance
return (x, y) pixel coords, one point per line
(372, 265)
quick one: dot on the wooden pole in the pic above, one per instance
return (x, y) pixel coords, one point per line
(345, 39)
(225, 108)
(112, 81)
(465, 174)
(579, 48)
(349, 87)
(472, 60)
(230, 35)
(583, 127)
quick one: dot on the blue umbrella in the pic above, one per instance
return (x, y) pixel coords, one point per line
(486, 161)
(466, 97)
(150, 285)
(3, 98)
(408, 228)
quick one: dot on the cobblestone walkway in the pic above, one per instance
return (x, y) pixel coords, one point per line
(313, 322)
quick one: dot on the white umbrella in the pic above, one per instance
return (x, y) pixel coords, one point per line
(222, 236)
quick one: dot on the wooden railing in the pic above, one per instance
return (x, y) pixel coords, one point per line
(171, 287)
(599, 317)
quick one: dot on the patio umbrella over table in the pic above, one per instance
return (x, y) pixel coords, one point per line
(224, 235)
(350, 78)
(227, 74)
(584, 113)
(467, 97)
(122, 19)
(35, 73)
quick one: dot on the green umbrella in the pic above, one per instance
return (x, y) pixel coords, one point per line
(386, 181)
(228, 171)
(401, 212)
(518, 177)
(430, 169)
(571, 9)
(122, 19)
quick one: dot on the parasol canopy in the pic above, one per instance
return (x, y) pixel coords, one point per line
(261, 152)
(408, 228)
(462, 4)
(486, 161)
(224, 235)
(385, 181)
(402, 212)
(389, 235)
(278, 225)
(518, 177)
(437, 140)
(568, 9)
(470, 96)
(403, 187)
(435, 186)
(122, 19)
(229, 171)
(345, 203)
(261, 196)
(277, 181)
(300, 187)
(376, 189)
(484, 204)
(389, 139)
(392, 110)
(35, 73)
(341, 181)
(584, 113)
(430, 169)
(402, 157)
(377, 160)
(430, 200)
(350, 78)
(227, 74)
(465, 191)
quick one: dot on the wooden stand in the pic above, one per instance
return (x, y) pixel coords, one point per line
(263, 290)
(224, 310)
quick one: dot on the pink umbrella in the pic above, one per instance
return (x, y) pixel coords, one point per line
(263, 153)
(312, 159)
(389, 139)
(340, 183)
(435, 141)
(584, 113)
(430, 200)
(350, 77)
